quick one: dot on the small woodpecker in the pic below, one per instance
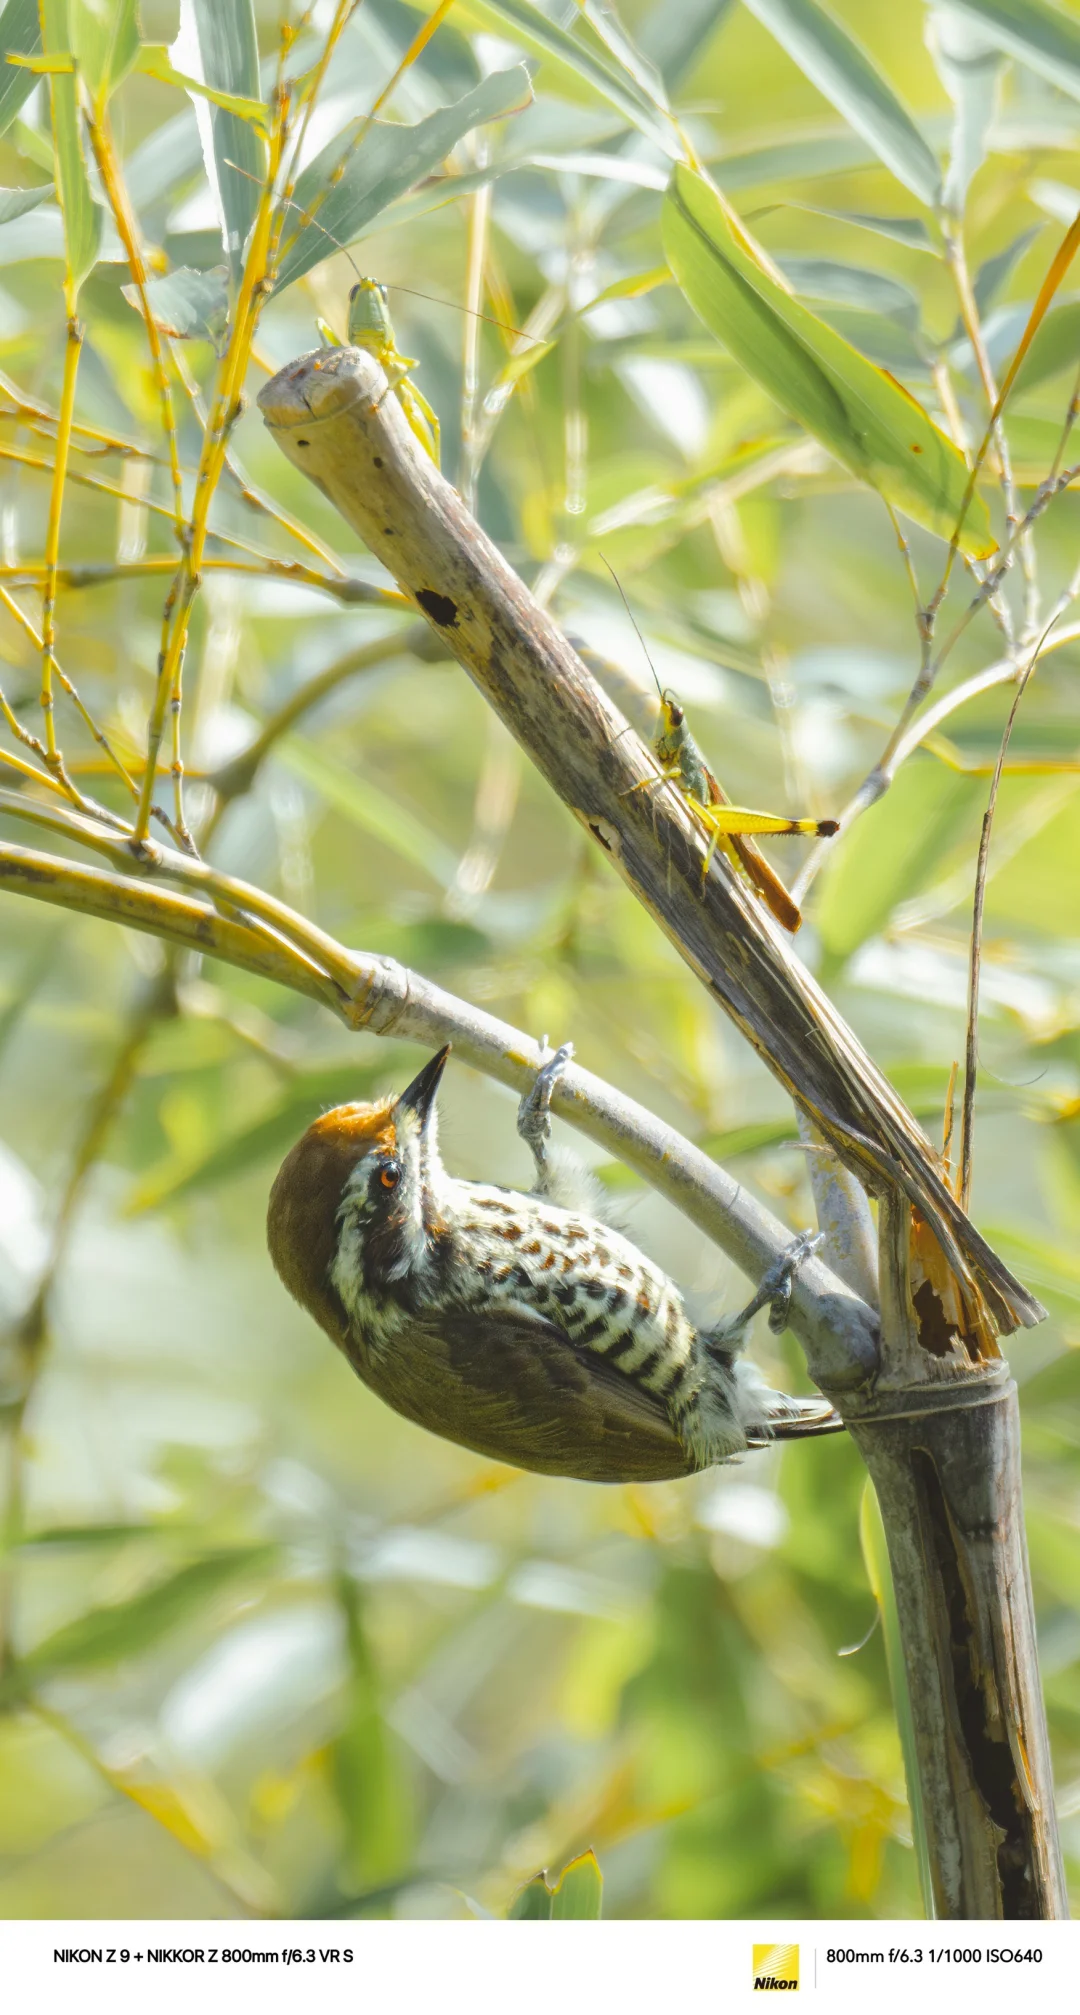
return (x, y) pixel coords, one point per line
(517, 1324)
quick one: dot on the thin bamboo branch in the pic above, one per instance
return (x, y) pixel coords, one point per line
(330, 415)
(837, 1330)
(99, 573)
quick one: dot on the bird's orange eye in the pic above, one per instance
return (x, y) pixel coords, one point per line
(390, 1175)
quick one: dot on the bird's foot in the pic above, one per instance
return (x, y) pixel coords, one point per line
(534, 1112)
(727, 1337)
(780, 1279)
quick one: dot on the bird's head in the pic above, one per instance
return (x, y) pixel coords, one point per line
(362, 1183)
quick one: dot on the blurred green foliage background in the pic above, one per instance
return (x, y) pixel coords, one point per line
(275, 1650)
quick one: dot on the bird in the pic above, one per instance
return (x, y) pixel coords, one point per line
(516, 1323)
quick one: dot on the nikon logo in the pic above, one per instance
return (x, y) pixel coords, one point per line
(776, 1967)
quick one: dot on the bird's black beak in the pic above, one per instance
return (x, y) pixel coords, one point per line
(419, 1096)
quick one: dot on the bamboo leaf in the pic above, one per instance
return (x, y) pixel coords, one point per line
(909, 231)
(187, 303)
(82, 217)
(603, 19)
(386, 163)
(898, 846)
(532, 1904)
(367, 1775)
(969, 66)
(852, 287)
(104, 42)
(308, 1094)
(860, 413)
(845, 75)
(153, 61)
(122, 1630)
(537, 32)
(20, 34)
(1059, 266)
(376, 813)
(16, 202)
(674, 38)
(1037, 34)
(1055, 347)
(230, 63)
(994, 273)
(579, 1892)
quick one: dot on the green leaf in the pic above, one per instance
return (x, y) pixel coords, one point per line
(536, 31)
(861, 414)
(994, 273)
(77, 1537)
(817, 153)
(40, 236)
(362, 802)
(186, 303)
(674, 37)
(845, 75)
(852, 287)
(308, 1094)
(386, 163)
(1037, 34)
(970, 68)
(532, 1904)
(579, 1891)
(605, 23)
(153, 60)
(1051, 1270)
(15, 202)
(82, 217)
(1055, 347)
(367, 1774)
(20, 35)
(123, 1630)
(899, 845)
(909, 231)
(230, 63)
(104, 42)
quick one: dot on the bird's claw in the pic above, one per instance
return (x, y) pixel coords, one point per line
(780, 1279)
(728, 1337)
(534, 1112)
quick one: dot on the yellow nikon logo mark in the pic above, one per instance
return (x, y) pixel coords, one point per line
(776, 1966)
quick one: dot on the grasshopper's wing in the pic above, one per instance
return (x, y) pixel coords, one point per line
(759, 872)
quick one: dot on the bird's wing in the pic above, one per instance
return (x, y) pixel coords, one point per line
(514, 1388)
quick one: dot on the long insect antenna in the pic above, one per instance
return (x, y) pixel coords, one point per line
(394, 285)
(637, 631)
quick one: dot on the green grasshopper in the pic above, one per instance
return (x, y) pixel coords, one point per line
(728, 826)
(371, 329)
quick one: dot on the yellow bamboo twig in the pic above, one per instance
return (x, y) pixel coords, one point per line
(226, 406)
(96, 574)
(100, 737)
(235, 898)
(112, 182)
(163, 913)
(255, 499)
(72, 352)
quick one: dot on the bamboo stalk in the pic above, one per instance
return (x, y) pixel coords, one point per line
(938, 1427)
